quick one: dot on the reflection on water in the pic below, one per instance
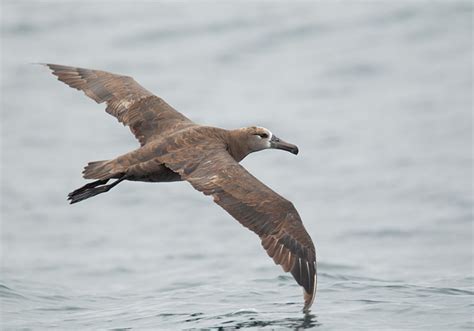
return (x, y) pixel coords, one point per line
(377, 97)
(306, 322)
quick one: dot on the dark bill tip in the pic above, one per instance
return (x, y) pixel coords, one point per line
(280, 144)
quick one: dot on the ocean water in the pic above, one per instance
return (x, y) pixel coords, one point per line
(378, 97)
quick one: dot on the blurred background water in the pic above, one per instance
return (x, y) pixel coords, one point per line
(377, 95)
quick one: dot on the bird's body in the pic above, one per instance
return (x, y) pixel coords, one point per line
(173, 148)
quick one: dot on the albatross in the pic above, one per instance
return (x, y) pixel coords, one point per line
(174, 148)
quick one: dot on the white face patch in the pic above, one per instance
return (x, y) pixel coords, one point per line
(270, 135)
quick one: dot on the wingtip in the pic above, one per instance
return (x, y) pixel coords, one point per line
(308, 301)
(309, 297)
(52, 66)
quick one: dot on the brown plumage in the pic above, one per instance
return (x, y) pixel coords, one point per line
(174, 148)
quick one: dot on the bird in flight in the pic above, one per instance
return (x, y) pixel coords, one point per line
(174, 148)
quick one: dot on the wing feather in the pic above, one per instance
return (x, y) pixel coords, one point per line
(146, 114)
(255, 206)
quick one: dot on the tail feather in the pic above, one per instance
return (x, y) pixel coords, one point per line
(99, 170)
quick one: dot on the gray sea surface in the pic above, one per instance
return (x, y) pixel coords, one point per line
(378, 97)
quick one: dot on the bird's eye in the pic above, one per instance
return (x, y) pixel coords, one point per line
(264, 135)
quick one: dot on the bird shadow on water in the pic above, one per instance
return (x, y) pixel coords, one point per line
(305, 322)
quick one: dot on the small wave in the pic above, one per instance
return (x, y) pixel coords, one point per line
(362, 283)
(424, 289)
(355, 70)
(394, 17)
(7, 292)
(380, 234)
(371, 302)
(54, 297)
(171, 314)
(333, 276)
(195, 317)
(243, 311)
(335, 266)
(448, 290)
(65, 308)
(4, 287)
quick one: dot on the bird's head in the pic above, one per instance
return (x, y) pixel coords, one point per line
(259, 138)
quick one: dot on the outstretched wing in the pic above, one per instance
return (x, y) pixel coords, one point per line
(146, 114)
(272, 217)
